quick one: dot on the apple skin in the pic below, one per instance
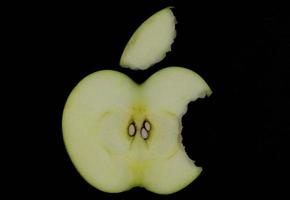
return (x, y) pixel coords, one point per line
(95, 125)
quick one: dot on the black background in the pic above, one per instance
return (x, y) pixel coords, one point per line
(240, 135)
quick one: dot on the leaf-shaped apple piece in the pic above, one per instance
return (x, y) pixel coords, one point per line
(150, 42)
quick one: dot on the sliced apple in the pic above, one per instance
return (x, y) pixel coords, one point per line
(121, 135)
(95, 114)
(150, 42)
(161, 85)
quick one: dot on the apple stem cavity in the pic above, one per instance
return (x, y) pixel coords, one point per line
(132, 129)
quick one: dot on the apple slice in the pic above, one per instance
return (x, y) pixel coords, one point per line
(95, 115)
(121, 135)
(150, 42)
(189, 86)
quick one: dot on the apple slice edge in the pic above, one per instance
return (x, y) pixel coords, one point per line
(151, 41)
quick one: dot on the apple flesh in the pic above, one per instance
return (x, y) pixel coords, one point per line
(121, 135)
(150, 42)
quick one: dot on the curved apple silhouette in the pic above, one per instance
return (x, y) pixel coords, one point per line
(120, 134)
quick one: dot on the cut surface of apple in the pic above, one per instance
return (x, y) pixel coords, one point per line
(150, 42)
(121, 135)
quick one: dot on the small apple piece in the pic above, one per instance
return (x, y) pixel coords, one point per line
(120, 135)
(150, 42)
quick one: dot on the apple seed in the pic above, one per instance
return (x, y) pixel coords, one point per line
(132, 129)
(144, 133)
(147, 126)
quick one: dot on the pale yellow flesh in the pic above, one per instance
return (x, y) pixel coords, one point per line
(150, 42)
(95, 130)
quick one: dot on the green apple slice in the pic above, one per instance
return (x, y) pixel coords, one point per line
(121, 135)
(189, 86)
(150, 42)
(94, 115)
